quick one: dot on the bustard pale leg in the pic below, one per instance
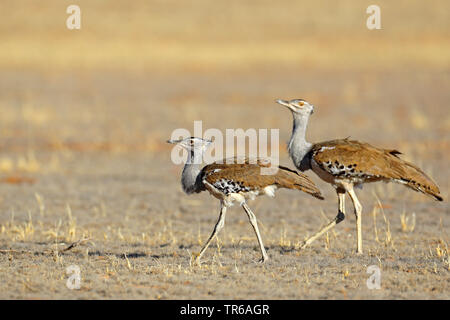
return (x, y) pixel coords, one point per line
(254, 223)
(358, 211)
(340, 216)
(219, 225)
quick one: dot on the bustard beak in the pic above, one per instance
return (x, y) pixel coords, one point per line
(206, 143)
(284, 103)
(174, 141)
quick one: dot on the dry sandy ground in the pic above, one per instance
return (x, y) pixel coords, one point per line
(84, 116)
(83, 156)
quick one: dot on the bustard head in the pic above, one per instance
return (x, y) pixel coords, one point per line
(297, 106)
(192, 144)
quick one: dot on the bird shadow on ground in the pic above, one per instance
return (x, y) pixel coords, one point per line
(131, 255)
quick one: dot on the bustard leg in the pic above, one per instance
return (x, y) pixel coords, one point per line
(340, 216)
(358, 211)
(254, 223)
(219, 225)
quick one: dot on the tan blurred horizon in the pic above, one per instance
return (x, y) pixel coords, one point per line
(204, 36)
(157, 65)
(84, 163)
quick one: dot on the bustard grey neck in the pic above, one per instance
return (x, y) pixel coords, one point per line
(298, 147)
(191, 171)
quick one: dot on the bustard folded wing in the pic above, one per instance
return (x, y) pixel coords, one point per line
(246, 177)
(361, 162)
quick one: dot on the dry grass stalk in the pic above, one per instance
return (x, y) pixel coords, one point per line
(408, 223)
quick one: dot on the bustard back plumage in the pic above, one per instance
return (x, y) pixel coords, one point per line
(228, 178)
(237, 182)
(347, 163)
(357, 162)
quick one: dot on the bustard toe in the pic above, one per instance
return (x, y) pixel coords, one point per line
(196, 258)
(302, 245)
(263, 259)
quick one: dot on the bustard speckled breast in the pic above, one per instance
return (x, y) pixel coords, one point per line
(347, 163)
(236, 182)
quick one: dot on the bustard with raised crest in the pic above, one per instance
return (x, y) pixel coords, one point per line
(236, 182)
(348, 163)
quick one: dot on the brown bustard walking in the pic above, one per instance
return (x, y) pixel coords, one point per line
(230, 182)
(348, 163)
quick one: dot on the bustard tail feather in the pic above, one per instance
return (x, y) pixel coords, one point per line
(414, 178)
(291, 179)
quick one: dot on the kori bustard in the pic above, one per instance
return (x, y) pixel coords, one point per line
(236, 182)
(348, 163)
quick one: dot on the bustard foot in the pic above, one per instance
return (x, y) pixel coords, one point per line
(196, 258)
(302, 245)
(263, 259)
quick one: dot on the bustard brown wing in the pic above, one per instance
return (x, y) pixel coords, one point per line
(245, 177)
(360, 161)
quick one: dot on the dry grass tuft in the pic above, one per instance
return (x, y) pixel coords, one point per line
(408, 222)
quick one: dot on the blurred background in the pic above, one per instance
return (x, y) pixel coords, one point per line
(84, 116)
(137, 70)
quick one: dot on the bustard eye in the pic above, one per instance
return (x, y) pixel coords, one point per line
(301, 103)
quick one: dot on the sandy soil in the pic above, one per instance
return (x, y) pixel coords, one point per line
(84, 116)
(83, 156)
